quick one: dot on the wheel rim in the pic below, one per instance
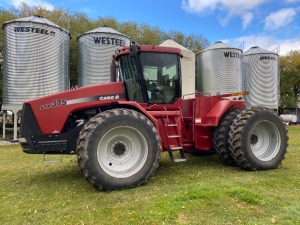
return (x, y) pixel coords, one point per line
(265, 140)
(122, 151)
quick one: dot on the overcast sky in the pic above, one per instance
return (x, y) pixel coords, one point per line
(266, 23)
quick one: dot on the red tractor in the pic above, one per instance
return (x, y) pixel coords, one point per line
(119, 129)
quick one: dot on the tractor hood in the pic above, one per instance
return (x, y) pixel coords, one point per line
(52, 111)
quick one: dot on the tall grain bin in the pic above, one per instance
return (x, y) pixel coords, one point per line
(95, 51)
(260, 72)
(187, 67)
(36, 60)
(219, 69)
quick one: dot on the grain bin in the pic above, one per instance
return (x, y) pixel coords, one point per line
(260, 72)
(36, 60)
(95, 51)
(219, 69)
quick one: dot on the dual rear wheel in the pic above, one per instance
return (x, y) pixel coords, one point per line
(254, 139)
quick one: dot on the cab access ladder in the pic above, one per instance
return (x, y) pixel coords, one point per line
(171, 123)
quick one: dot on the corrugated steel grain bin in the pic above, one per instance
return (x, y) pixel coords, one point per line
(95, 51)
(219, 69)
(260, 72)
(36, 60)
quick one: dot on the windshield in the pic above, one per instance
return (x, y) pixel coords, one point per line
(159, 77)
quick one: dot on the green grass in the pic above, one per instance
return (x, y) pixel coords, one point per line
(199, 191)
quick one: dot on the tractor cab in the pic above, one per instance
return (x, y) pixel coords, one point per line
(150, 74)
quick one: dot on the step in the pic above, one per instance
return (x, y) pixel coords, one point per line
(173, 136)
(165, 113)
(181, 151)
(188, 145)
(176, 148)
(171, 125)
(179, 160)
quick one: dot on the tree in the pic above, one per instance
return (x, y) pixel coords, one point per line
(290, 79)
(4, 16)
(193, 42)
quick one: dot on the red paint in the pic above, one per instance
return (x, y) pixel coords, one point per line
(52, 120)
(150, 48)
(196, 119)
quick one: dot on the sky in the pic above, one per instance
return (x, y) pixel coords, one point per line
(271, 24)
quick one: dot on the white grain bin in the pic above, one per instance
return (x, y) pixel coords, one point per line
(260, 72)
(219, 69)
(36, 60)
(95, 51)
(187, 68)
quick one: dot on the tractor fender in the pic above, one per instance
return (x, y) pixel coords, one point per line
(220, 108)
(137, 107)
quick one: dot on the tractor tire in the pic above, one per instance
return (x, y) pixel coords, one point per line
(221, 137)
(258, 139)
(118, 149)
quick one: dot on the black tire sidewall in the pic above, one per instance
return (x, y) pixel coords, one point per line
(223, 130)
(259, 116)
(106, 181)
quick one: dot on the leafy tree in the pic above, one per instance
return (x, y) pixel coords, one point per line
(131, 29)
(109, 22)
(4, 16)
(193, 42)
(290, 79)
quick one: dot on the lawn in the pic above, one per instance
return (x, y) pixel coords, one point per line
(199, 191)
